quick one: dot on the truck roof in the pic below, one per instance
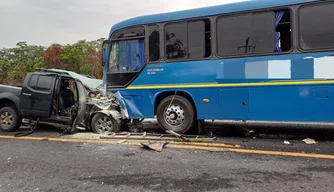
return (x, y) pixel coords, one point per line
(52, 73)
(89, 82)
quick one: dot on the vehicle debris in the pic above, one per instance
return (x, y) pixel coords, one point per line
(157, 137)
(178, 135)
(110, 117)
(121, 141)
(310, 141)
(157, 146)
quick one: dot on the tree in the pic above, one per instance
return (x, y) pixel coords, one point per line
(52, 57)
(20, 60)
(81, 57)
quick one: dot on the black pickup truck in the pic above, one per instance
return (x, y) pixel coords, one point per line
(57, 97)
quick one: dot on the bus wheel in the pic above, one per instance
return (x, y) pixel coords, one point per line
(176, 113)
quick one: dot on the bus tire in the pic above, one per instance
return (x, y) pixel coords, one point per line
(176, 113)
(10, 120)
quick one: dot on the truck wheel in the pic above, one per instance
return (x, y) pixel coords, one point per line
(177, 116)
(102, 123)
(9, 119)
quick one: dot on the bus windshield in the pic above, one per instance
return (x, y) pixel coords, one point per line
(126, 56)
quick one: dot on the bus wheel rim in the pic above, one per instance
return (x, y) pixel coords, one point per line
(174, 115)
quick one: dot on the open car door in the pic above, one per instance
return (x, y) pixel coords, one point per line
(79, 112)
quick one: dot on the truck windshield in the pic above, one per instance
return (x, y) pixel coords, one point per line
(126, 56)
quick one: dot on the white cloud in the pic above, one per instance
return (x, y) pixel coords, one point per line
(44, 22)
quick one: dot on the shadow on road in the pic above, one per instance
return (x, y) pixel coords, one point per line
(261, 130)
(42, 129)
(221, 129)
(200, 182)
(271, 131)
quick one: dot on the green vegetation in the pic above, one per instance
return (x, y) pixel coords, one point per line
(82, 57)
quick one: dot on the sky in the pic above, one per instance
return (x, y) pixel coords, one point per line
(43, 22)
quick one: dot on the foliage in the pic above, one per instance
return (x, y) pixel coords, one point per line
(83, 57)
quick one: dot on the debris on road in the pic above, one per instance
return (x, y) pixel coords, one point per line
(121, 141)
(157, 137)
(157, 146)
(287, 143)
(177, 135)
(310, 141)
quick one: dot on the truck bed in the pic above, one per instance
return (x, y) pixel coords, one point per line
(10, 89)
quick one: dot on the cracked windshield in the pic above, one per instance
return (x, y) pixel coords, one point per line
(157, 95)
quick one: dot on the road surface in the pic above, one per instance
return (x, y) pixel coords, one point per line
(44, 165)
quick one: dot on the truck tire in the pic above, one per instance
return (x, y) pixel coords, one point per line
(176, 113)
(10, 120)
(102, 123)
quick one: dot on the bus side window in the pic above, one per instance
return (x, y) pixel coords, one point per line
(254, 33)
(199, 35)
(317, 26)
(283, 30)
(176, 40)
(154, 43)
(188, 39)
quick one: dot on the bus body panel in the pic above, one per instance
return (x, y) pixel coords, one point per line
(309, 103)
(304, 66)
(281, 96)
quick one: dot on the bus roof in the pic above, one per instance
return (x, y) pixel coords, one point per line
(204, 11)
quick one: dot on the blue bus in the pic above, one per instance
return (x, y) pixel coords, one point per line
(257, 60)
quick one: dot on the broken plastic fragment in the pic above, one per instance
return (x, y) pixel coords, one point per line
(157, 146)
(310, 141)
(121, 141)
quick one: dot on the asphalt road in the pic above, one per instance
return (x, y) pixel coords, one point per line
(57, 166)
(45, 165)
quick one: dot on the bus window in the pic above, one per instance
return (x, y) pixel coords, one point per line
(207, 37)
(263, 33)
(317, 26)
(283, 30)
(256, 33)
(176, 40)
(128, 33)
(234, 35)
(127, 56)
(188, 40)
(154, 43)
(196, 36)
(113, 59)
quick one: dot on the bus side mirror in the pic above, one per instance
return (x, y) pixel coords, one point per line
(104, 47)
(103, 56)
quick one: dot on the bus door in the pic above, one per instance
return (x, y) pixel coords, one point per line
(234, 103)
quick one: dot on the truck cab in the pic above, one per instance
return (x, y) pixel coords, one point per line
(51, 96)
(61, 97)
(48, 97)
